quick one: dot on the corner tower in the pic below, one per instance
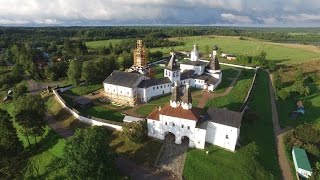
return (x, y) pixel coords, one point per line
(172, 70)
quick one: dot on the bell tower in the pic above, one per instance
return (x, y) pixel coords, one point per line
(139, 55)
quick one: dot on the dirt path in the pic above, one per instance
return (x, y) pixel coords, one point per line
(208, 95)
(58, 127)
(278, 133)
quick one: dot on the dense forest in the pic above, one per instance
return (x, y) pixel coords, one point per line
(43, 35)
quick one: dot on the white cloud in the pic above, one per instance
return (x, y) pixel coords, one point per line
(236, 19)
(66, 12)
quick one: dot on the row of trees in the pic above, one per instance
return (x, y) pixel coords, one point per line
(94, 71)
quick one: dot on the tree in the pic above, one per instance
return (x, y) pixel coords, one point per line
(10, 146)
(89, 71)
(29, 113)
(207, 50)
(9, 141)
(19, 90)
(67, 46)
(74, 72)
(272, 65)
(135, 131)
(87, 155)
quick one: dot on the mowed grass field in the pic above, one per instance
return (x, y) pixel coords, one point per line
(233, 45)
(101, 43)
(279, 52)
(255, 159)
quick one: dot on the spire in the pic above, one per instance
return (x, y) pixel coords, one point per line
(214, 63)
(195, 47)
(175, 96)
(172, 65)
(187, 98)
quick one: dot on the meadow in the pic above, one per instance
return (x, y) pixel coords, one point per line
(233, 45)
(256, 157)
(279, 52)
(102, 43)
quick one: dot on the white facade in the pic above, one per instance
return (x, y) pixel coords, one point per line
(222, 135)
(198, 69)
(179, 127)
(173, 75)
(145, 94)
(194, 53)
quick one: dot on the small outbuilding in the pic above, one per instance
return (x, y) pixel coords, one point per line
(301, 162)
(83, 102)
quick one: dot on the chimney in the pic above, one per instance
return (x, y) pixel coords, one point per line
(159, 108)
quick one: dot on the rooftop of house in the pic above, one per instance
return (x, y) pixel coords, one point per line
(195, 63)
(302, 159)
(190, 114)
(187, 74)
(207, 78)
(121, 78)
(224, 116)
(83, 101)
(152, 82)
(172, 64)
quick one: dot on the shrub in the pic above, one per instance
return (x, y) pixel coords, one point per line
(312, 149)
(135, 131)
(283, 94)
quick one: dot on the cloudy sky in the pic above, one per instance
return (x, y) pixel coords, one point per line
(185, 12)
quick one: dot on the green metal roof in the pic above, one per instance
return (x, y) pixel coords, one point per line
(302, 159)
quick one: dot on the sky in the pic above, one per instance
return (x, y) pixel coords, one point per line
(293, 13)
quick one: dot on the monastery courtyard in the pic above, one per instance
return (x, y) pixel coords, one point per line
(107, 110)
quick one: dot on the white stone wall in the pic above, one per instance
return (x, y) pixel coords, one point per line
(198, 69)
(116, 91)
(85, 119)
(222, 135)
(179, 127)
(145, 94)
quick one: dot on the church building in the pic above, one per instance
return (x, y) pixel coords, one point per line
(135, 86)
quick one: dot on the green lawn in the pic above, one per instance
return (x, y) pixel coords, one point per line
(227, 74)
(239, 47)
(145, 110)
(103, 113)
(235, 98)
(256, 159)
(102, 43)
(84, 89)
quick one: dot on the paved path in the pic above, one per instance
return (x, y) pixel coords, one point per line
(278, 133)
(36, 87)
(209, 95)
(139, 172)
(173, 156)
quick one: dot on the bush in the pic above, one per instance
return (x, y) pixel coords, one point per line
(283, 94)
(312, 149)
(272, 65)
(135, 131)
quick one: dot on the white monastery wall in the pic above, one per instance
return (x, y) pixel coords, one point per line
(222, 135)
